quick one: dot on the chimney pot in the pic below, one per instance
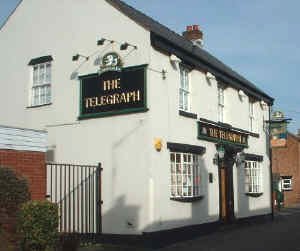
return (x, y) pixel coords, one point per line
(189, 28)
(194, 34)
(196, 27)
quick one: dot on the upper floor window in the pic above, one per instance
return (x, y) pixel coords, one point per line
(221, 103)
(184, 90)
(40, 93)
(251, 116)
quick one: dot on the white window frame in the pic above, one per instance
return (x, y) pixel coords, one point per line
(184, 89)
(253, 177)
(251, 116)
(221, 103)
(40, 89)
(186, 178)
(286, 182)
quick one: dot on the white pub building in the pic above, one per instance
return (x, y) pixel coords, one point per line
(180, 136)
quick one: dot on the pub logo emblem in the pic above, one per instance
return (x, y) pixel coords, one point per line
(111, 62)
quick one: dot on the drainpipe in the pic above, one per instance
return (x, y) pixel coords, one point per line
(270, 157)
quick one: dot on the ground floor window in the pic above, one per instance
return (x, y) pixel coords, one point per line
(185, 175)
(253, 175)
(286, 183)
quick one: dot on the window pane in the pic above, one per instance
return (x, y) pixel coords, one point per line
(41, 73)
(178, 157)
(181, 98)
(179, 190)
(35, 75)
(48, 73)
(172, 157)
(48, 94)
(173, 179)
(35, 97)
(173, 168)
(185, 102)
(173, 191)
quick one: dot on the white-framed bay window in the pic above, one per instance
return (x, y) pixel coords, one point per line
(40, 87)
(253, 177)
(185, 175)
(221, 103)
(184, 89)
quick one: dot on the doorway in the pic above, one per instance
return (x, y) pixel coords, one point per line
(226, 187)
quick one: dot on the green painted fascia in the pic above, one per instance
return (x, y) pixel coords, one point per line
(221, 141)
(113, 113)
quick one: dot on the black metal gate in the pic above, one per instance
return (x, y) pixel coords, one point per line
(77, 191)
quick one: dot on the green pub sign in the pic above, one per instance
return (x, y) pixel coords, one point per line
(113, 92)
(220, 134)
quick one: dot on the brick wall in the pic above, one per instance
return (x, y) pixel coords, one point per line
(285, 161)
(30, 165)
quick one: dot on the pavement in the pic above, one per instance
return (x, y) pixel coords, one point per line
(281, 234)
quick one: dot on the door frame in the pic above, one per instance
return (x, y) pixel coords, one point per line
(226, 166)
(226, 192)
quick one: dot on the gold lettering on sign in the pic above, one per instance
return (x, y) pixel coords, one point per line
(225, 135)
(116, 98)
(111, 84)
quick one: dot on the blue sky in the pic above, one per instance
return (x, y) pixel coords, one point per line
(260, 39)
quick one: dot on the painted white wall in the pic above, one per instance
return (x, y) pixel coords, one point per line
(62, 29)
(135, 177)
(171, 127)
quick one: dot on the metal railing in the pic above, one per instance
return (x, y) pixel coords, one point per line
(77, 191)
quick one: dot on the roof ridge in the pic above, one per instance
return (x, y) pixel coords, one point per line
(121, 2)
(176, 39)
(13, 11)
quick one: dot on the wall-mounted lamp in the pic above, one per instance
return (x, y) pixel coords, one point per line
(174, 59)
(210, 76)
(221, 152)
(77, 56)
(263, 105)
(102, 41)
(242, 94)
(124, 46)
(240, 158)
(164, 74)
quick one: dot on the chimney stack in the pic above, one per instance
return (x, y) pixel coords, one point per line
(194, 34)
(298, 134)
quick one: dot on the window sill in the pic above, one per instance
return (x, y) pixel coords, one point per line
(187, 199)
(287, 190)
(254, 194)
(188, 114)
(36, 106)
(253, 134)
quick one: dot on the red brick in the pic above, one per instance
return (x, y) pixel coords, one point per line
(285, 161)
(30, 165)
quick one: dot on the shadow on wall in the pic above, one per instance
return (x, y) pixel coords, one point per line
(201, 220)
(118, 144)
(127, 215)
(127, 218)
(243, 203)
